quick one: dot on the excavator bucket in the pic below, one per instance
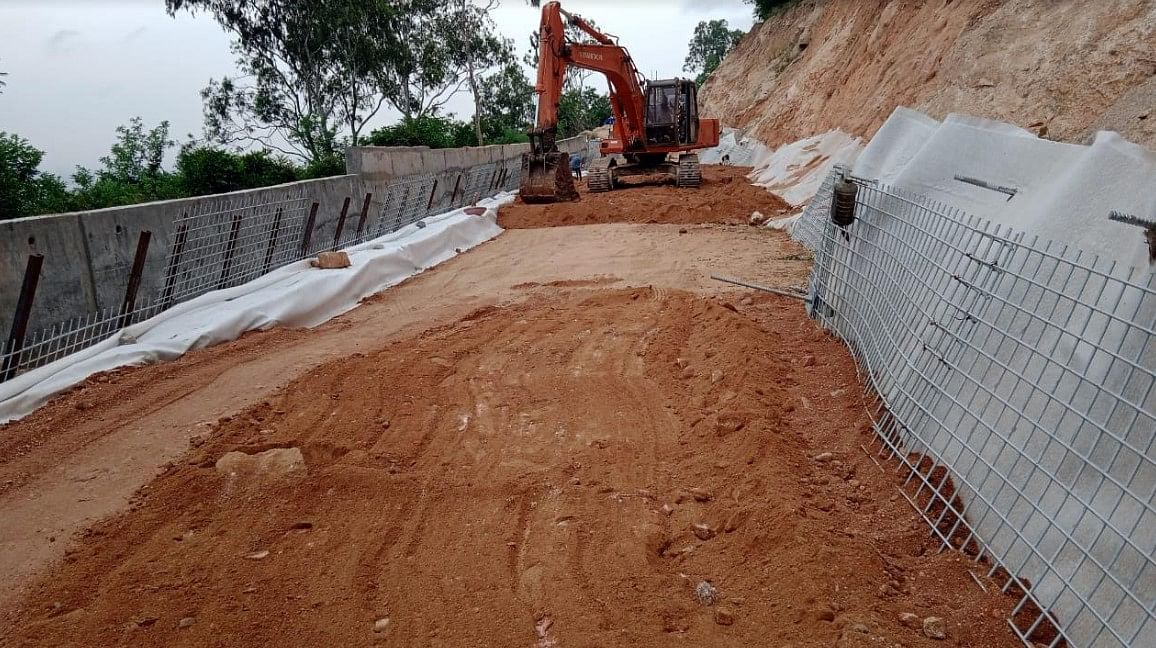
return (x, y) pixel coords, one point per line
(546, 178)
(546, 171)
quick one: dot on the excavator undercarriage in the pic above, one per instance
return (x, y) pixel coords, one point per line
(607, 173)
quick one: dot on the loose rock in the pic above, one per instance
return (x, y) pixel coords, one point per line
(935, 628)
(706, 593)
(700, 494)
(823, 457)
(724, 616)
(909, 620)
(381, 625)
(277, 461)
(258, 555)
(703, 532)
(332, 260)
(186, 622)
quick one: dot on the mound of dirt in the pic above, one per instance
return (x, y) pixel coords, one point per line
(1062, 69)
(726, 196)
(564, 471)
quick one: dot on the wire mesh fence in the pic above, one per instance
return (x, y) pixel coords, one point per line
(1013, 382)
(224, 241)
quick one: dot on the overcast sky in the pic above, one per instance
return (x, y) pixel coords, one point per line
(77, 69)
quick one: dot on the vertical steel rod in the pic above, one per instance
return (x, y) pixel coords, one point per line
(174, 264)
(230, 251)
(364, 215)
(272, 242)
(341, 223)
(23, 313)
(134, 277)
(307, 237)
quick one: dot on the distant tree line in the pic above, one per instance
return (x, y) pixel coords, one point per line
(312, 77)
(132, 173)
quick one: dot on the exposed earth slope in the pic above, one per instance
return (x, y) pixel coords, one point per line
(1062, 69)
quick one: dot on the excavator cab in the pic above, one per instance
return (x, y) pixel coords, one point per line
(671, 112)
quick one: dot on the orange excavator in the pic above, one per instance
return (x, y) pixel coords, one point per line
(656, 123)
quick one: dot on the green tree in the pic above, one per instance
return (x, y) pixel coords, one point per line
(131, 173)
(422, 130)
(24, 189)
(581, 109)
(138, 154)
(764, 9)
(314, 73)
(506, 102)
(712, 41)
(207, 170)
(310, 70)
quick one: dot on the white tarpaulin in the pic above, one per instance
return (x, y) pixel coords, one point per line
(296, 295)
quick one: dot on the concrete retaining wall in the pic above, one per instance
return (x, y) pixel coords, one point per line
(382, 163)
(88, 255)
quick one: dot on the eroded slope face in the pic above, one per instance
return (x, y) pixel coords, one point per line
(1061, 69)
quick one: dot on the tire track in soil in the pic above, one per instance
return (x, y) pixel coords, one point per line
(630, 403)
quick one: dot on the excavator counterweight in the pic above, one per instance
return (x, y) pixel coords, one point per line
(656, 124)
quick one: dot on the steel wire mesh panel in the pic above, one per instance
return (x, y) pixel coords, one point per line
(1015, 382)
(224, 241)
(229, 241)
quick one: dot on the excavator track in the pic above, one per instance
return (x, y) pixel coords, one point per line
(599, 176)
(689, 172)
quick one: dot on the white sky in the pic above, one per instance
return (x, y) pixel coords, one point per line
(77, 69)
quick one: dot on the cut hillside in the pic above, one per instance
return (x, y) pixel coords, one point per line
(1061, 69)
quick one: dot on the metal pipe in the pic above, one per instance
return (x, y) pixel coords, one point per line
(1010, 191)
(745, 284)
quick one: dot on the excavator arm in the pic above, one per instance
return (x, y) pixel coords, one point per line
(652, 120)
(556, 54)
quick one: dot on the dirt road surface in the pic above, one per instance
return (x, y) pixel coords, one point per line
(568, 436)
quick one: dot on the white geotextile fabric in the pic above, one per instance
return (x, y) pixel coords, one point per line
(295, 295)
(1039, 399)
(795, 171)
(1064, 192)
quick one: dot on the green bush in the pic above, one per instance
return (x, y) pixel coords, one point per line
(205, 170)
(766, 8)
